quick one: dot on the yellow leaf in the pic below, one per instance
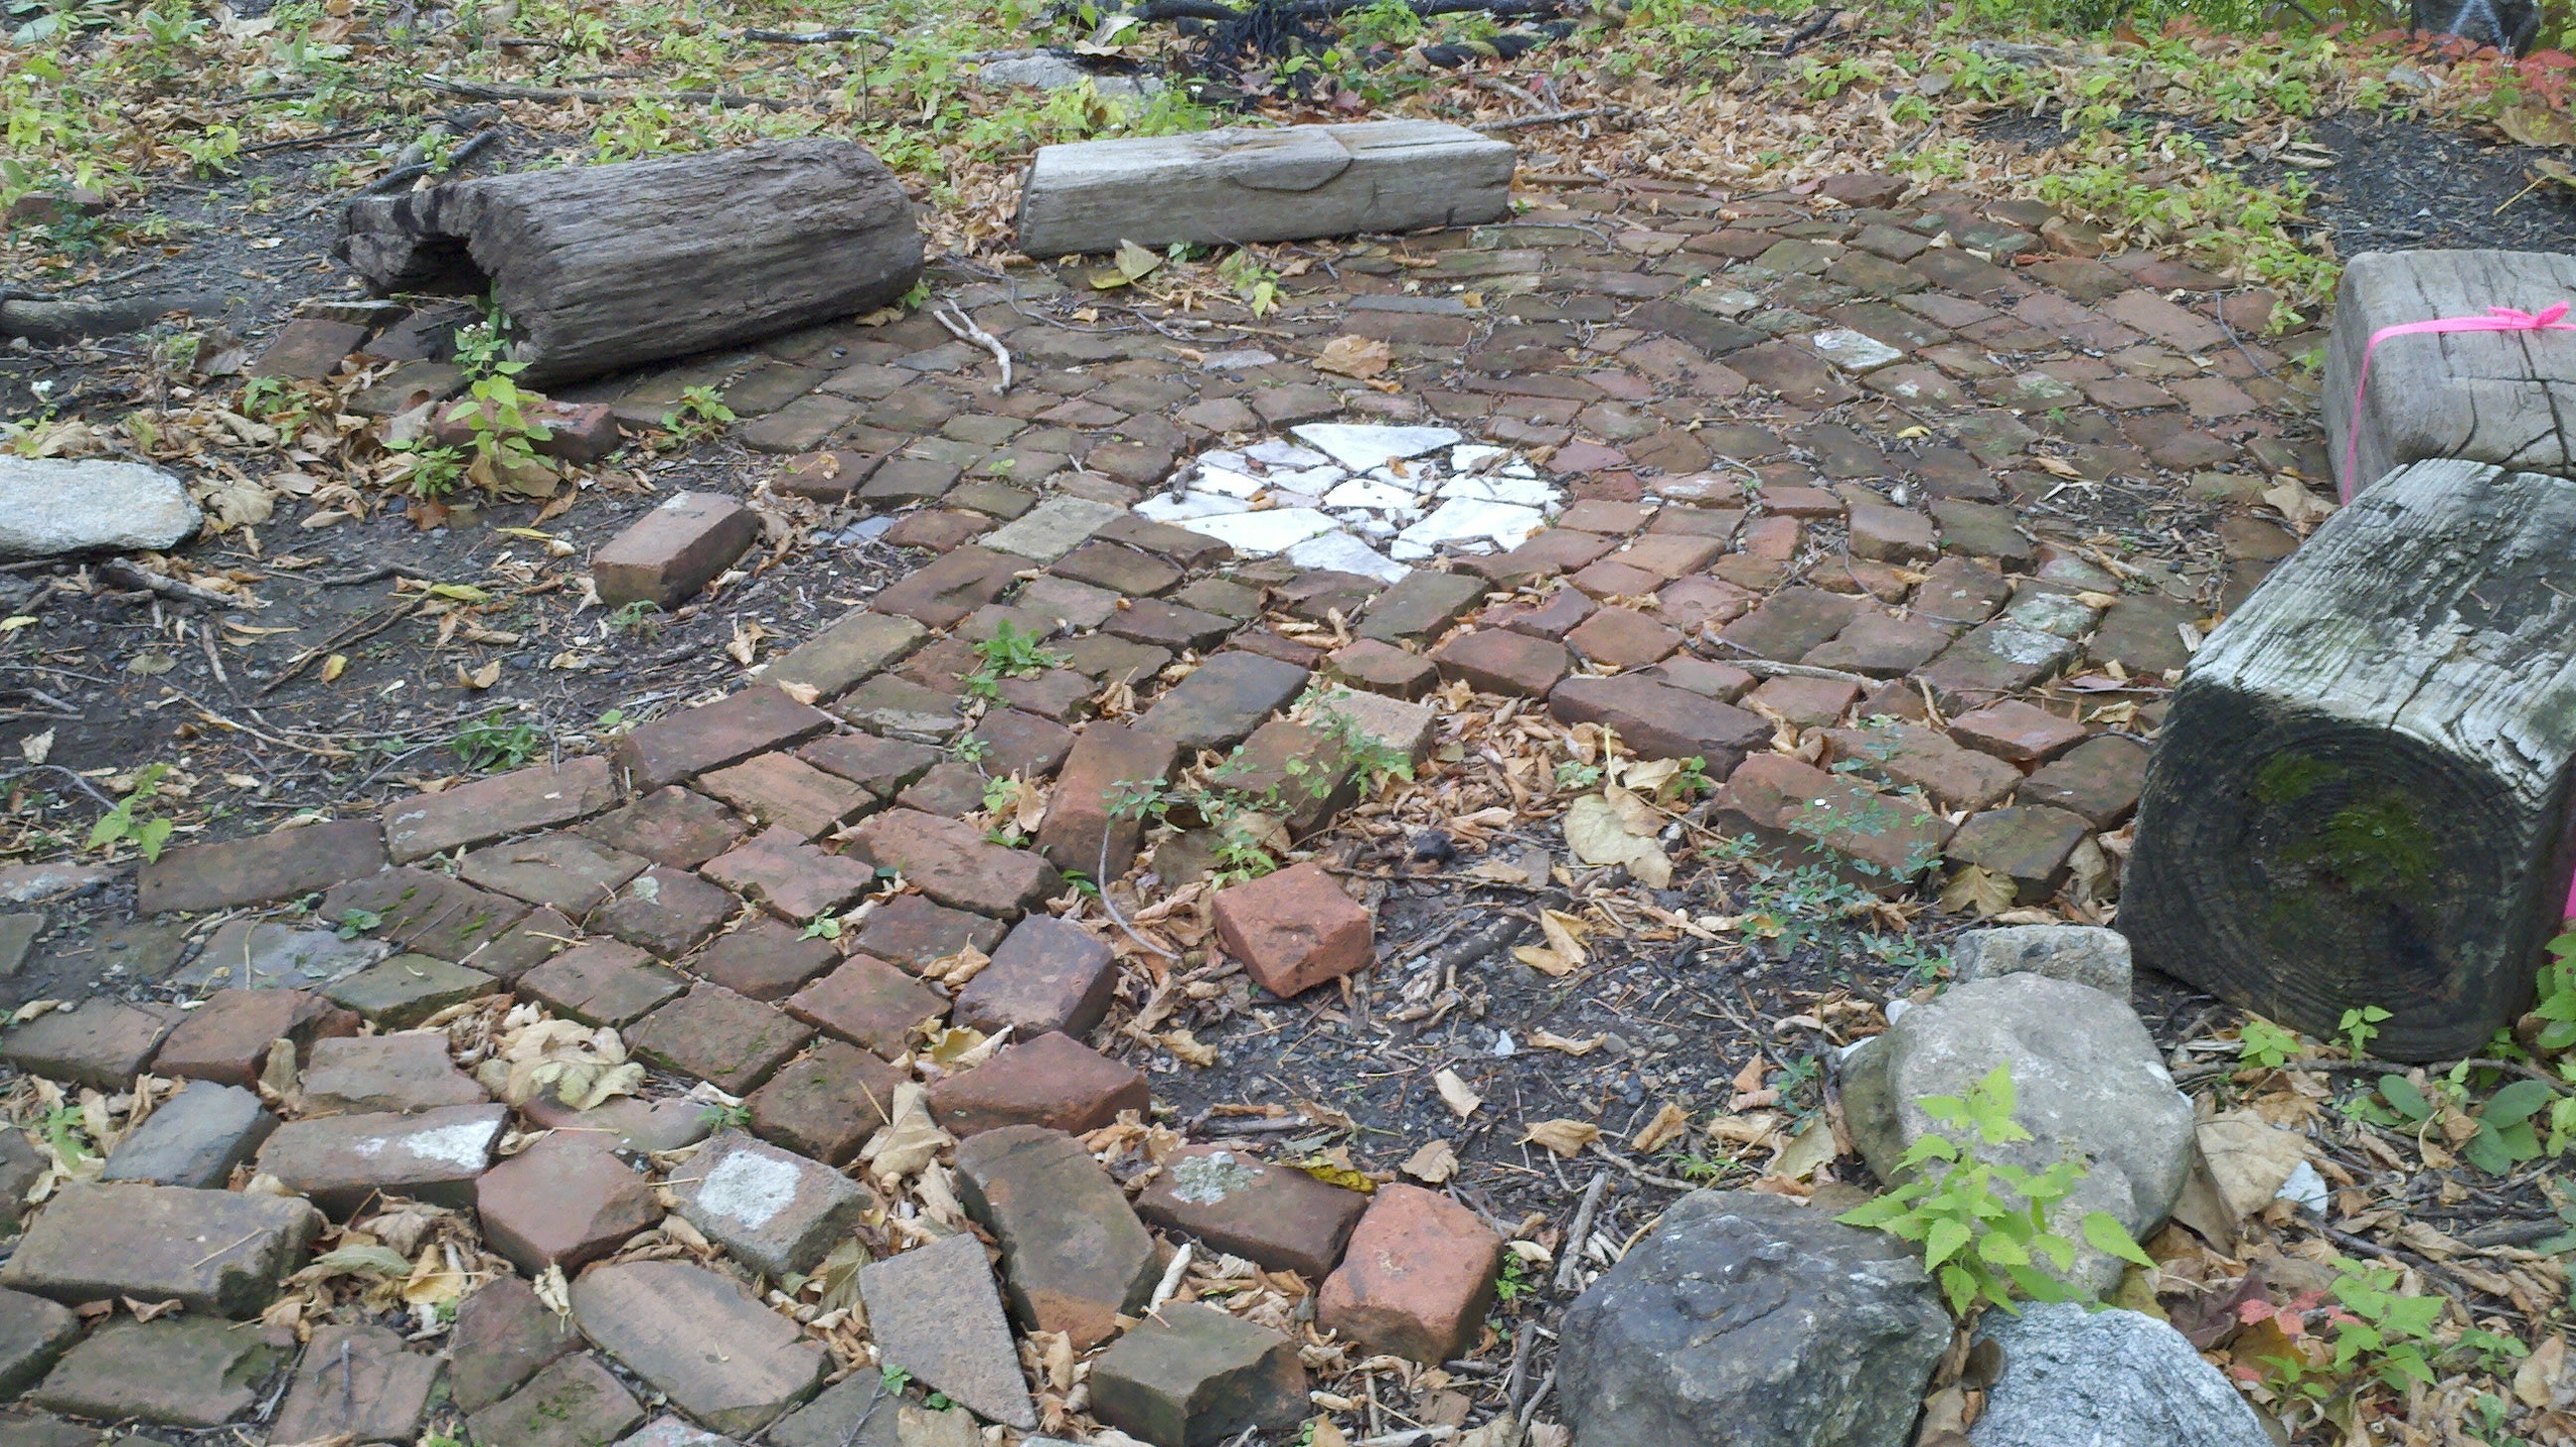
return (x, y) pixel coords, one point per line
(1978, 888)
(1801, 1157)
(1564, 935)
(1548, 1040)
(1335, 1173)
(1329, 1435)
(1136, 263)
(481, 678)
(1669, 1125)
(12, 625)
(334, 666)
(459, 592)
(1600, 831)
(2534, 125)
(1545, 961)
(1186, 1045)
(1454, 1093)
(1565, 1137)
(2540, 1372)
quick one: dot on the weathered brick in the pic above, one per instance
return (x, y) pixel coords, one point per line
(574, 1402)
(357, 1382)
(1195, 1376)
(1622, 638)
(834, 660)
(260, 868)
(683, 745)
(1498, 660)
(665, 911)
(791, 878)
(503, 1336)
(783, 790)
(2016, 732)
(1416, 1278)
(2030, 845)
(667, 555)
(728, 1040)
(1051, 1080)
(1907, 755)
(373, 1073)
(1881, 645)
(892, 704)
(407, 989)
(935, 1312)
(881, 766)
(564, 1202)
(343, 1161)
(777, 1212)
(764, 959)
(826, 1102)
(1169, 625)
(483, 810)
(571, 872)
(1084, 823)
(193, 1139)
(954, 864)
(1421, 606)
(1374, 721)
(227, 1038)
(1560, 614)
(33, 1334)
(1272, 1216)
(1074, 1256)
(2098, 780)
(1660, 721)
(943, 593)
(308, 349)
(1383, 668)
(1790, 625)
(868, 1002)
(671, 826)
(1022, 744)
(101, 1042)
(602, 984)
(660, 1319)
(220, 1253)
(1294, 929)
(175, 1371)
(910, 931)
(1046, 976)
(1804, 702)
(1880, 841)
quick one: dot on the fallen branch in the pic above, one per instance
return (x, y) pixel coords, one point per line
(134, 575)
(401, 176)
(485, 90)
(1153, 11)
(1550, 119)
(963, 328)
(1569, 1263)
(810, 37)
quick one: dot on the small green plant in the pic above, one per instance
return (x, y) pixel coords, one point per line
(482, 347)
(2557, 1003)
(1514, 1282)
(1576, 775)
(821, 927)
(2360, 1026)
(725, 1117)
(2367, 1327)
(2505, 1135)
(120, 826)
(1980, 1245)
(492, 743)
(64, 1131)
(504, 438)
(700, 415)
(1012, 652)
(1693, 781)
(355, 922)
(636, 619)
(2262, 1045)
(1383, 22)
(969, 749)
(431, 472)
(1253, 281)
(893, 1379)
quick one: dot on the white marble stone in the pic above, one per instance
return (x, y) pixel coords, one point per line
(1361, 446)
(1519, 491)
(1308, 479)
(1854, 351)
(1275, 453)
(1365, 492)
(1343, 553)
(1227, 481)
(1470, 524)
(1471, 455)
(1260, 534)
(1236, 361)
(1172, 508)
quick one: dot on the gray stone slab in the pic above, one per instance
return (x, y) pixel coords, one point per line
(219, 1253)
(777, 1211)
(936, 1313)
(194, 1138)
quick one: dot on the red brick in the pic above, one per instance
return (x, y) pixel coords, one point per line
(683, 745)
(785, 791)
(1659, 721)
(1021, 743)
(826, 476)
(1906, 755)
(409, 1070)
(1559, 614)
(2098, 779)
(1079, 831)
(1273, 1216)
(670, 826)
(101, 1042)
(1669, 555)
(504, 1335)
(483, 810)
(940, 530)
(1791, 624)
(826, 1102)
(2030, 846)
(731, 1041)
(308, 349)
(1294, 929)
(1892, 534)
(1548, 553)
(262, 867)
(667, 555)
(910, 931)
(1832, 820)
(1881, 645)
(571, 872)
(881, 766)
(1053, 1081)
(1416, 1279)
(868, 1002)
(345, 1161)
(789, 877)
(1046, 976)
(1497, 660)
(764, 959)
(666, 911)
(565, 1202)
(1721, 681)
(602, 984)
(943, 593)
(1804, 702)
(227, 1038)
(954, 864)
(1383, 668)
(1622, 638)
(2016, 732)
(1691, 604)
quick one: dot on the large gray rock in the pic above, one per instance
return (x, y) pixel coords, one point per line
(2085, 954)
(54, 505)
(1757, 1319)
(2110, 1378)
(2086, 1078)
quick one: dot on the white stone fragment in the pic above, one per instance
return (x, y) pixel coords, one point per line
(1260, 534)
(1473, 455)
(1227, 481)
(1173, 508)
(1854, 351)
(1518, 491)
(1364, 492)
(1236, 361)
(1361, 446)
(1308, 479)
(1275, 453)
(1474, 524)
(1342, 553)
(1230, 461)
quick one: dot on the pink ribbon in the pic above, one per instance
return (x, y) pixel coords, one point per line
(2497, 319)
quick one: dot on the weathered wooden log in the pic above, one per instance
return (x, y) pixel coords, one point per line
(605, 267)
(1255, 185)
(2361, 794)
(2492, 397)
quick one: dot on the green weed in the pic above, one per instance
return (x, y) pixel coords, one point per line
(494, 744)
(121, 826)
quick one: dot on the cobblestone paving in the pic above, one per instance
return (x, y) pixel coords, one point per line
(1841, 463)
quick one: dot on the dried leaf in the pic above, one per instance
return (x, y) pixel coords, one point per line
(1669, 1125)
(1456, 1095)
(1544, 1039)
(1434, 1163)
(1975, 887)
(2535, 1381)
(2249, 1159)
(1565, 1137)
(1805, 1154)
(1186, 1045)
(1599, 831)
(1360, 357)
(2536, 125)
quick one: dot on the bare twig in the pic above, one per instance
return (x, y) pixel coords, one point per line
(135, 575)
(484, 90)
(963, 328)
(809, 37)
(401, 176)
(1580, 1231)
(1549, 119)
(369, 575)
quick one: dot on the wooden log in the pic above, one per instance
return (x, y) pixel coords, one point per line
(606, 267)
(2361, 794)
(1262, 185)
(2492, 397)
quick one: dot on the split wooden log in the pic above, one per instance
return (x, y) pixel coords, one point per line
(607, 267)
(2361, 795)
(2494, 397)
(1262, 185)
